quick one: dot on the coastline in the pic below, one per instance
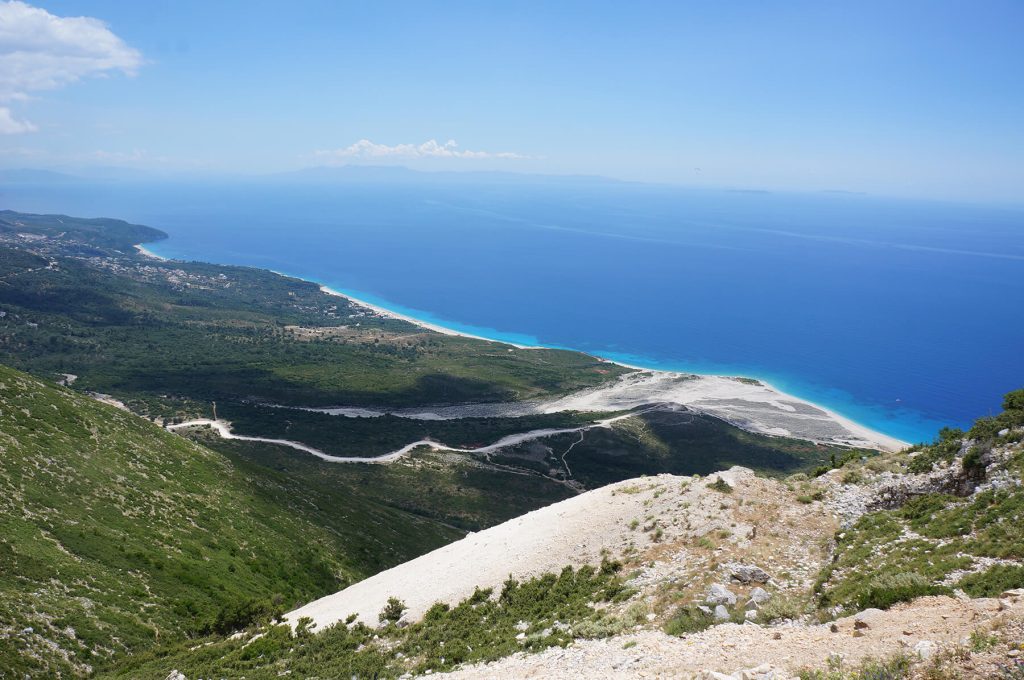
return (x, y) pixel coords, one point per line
(387, 313)
(723, 388)
(145, 252)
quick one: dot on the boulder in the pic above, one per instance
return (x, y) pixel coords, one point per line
(721, 613)
(719, 594)
(759, 596)
(748, 573)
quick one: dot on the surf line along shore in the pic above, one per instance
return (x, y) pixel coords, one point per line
(752, 405)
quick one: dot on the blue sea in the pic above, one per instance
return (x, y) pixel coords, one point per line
(902, 315)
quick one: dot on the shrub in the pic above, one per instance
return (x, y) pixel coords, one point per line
(779, 608)
(993, 581)
(720, 485)
(894, 668)
(982, 642)
(392, 610)
(886, 590)
(688, 619)
(1013, 401)
(815, 495)
(239, 614)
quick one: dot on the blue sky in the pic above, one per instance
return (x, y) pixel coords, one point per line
(899, 98)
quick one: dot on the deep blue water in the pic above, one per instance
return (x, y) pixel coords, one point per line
(904, 316)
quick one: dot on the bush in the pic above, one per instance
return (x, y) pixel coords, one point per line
(893, 668)
(720, 485)
(1013, 401)
(392, 610)
(688, 619)
(993, 581)
(238, 615)
(886, 590)
(779, 608)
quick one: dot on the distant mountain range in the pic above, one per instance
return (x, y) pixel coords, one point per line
(318, 174)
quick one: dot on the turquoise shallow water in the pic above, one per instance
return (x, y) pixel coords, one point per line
(904, 316)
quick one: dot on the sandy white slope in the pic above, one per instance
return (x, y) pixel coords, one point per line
(574, 532)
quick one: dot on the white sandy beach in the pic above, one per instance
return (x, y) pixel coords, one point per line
(387, 313)
(759, 408)
(149, 253)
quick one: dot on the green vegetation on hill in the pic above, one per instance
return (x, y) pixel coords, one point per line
(101, 232)
(119, 537)
(454, 489)
(952, 537)
(533, 615)
(172, 336)
(116, 535)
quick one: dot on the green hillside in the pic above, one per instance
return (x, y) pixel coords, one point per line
(115, 535)
(102, 232)
(945, 516)
(169, 337)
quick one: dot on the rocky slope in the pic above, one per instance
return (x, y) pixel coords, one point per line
(683, 532)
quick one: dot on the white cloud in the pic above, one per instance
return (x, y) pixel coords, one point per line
(364, 148)
(11, 126)
(40, 51)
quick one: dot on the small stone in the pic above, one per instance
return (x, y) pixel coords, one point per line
(776, 635)
(750, 614)
(176, 675)
(834, 628)
(721, 613)
(858, 633)
(1013, 653)
(714, 675)
(860, 624)
(925, 649)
